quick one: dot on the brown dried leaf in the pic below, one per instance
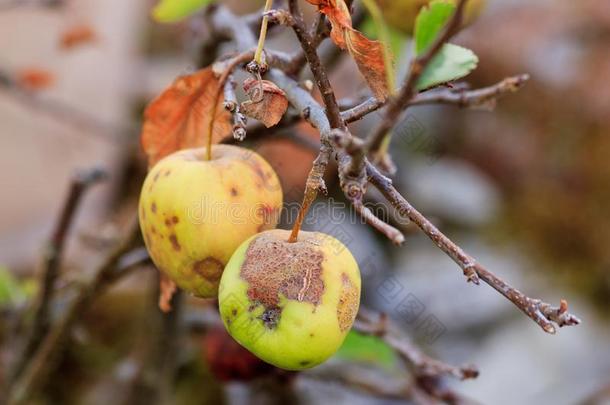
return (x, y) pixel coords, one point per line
(268, 107)
(367, 54)
(167, 290)
(179, 118)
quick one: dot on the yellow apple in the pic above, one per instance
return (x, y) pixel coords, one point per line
(194, 213)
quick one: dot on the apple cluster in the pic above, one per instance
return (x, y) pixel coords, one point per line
(289, 303)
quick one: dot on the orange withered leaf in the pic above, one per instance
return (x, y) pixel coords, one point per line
(267, 102)
(367, 54)
(179, 118)
(34, 78)
(77, 35)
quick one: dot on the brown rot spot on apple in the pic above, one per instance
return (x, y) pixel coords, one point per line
(153, 230)
(234, 192)
(174, 241)
(210, 269)
(234, 312)
(347, 308)
(175, 220)
(275, 268)
(153, 208)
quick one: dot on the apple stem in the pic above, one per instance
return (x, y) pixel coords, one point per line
(230, 66)
(308, 199)
(258, 56)
(315, 183)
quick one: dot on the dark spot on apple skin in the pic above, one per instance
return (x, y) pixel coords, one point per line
(304, 363)
(175, 244)
(209, 268)
(228, 321)
(167, 173)
(234, 192)
(153, 208)
(156, 177)
(234, 312)
(271, 317)
(153, 230)
(311, 335)
(169, 222)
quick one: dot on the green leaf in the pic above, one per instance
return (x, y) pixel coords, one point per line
(430, 22)
(451, 63)
(367, 349)
(168, 11)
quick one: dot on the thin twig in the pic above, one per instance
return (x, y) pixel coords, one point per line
(319, 73)
(231, 105)
(393, 234)
(542, 313)
(371, 323)
(462, 98)
(80, 183)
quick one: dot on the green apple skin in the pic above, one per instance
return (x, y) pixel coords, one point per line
(401, 14)
(194, 213)
(290, 304)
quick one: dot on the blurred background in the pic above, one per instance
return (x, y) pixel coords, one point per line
(525, 189)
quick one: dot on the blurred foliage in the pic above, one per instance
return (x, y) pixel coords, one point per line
(14, 291)
(368, 349)
(168, 11)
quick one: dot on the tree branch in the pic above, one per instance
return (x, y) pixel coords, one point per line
(462, 98)
(232, 105)
(80, 183)
(542, 313)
